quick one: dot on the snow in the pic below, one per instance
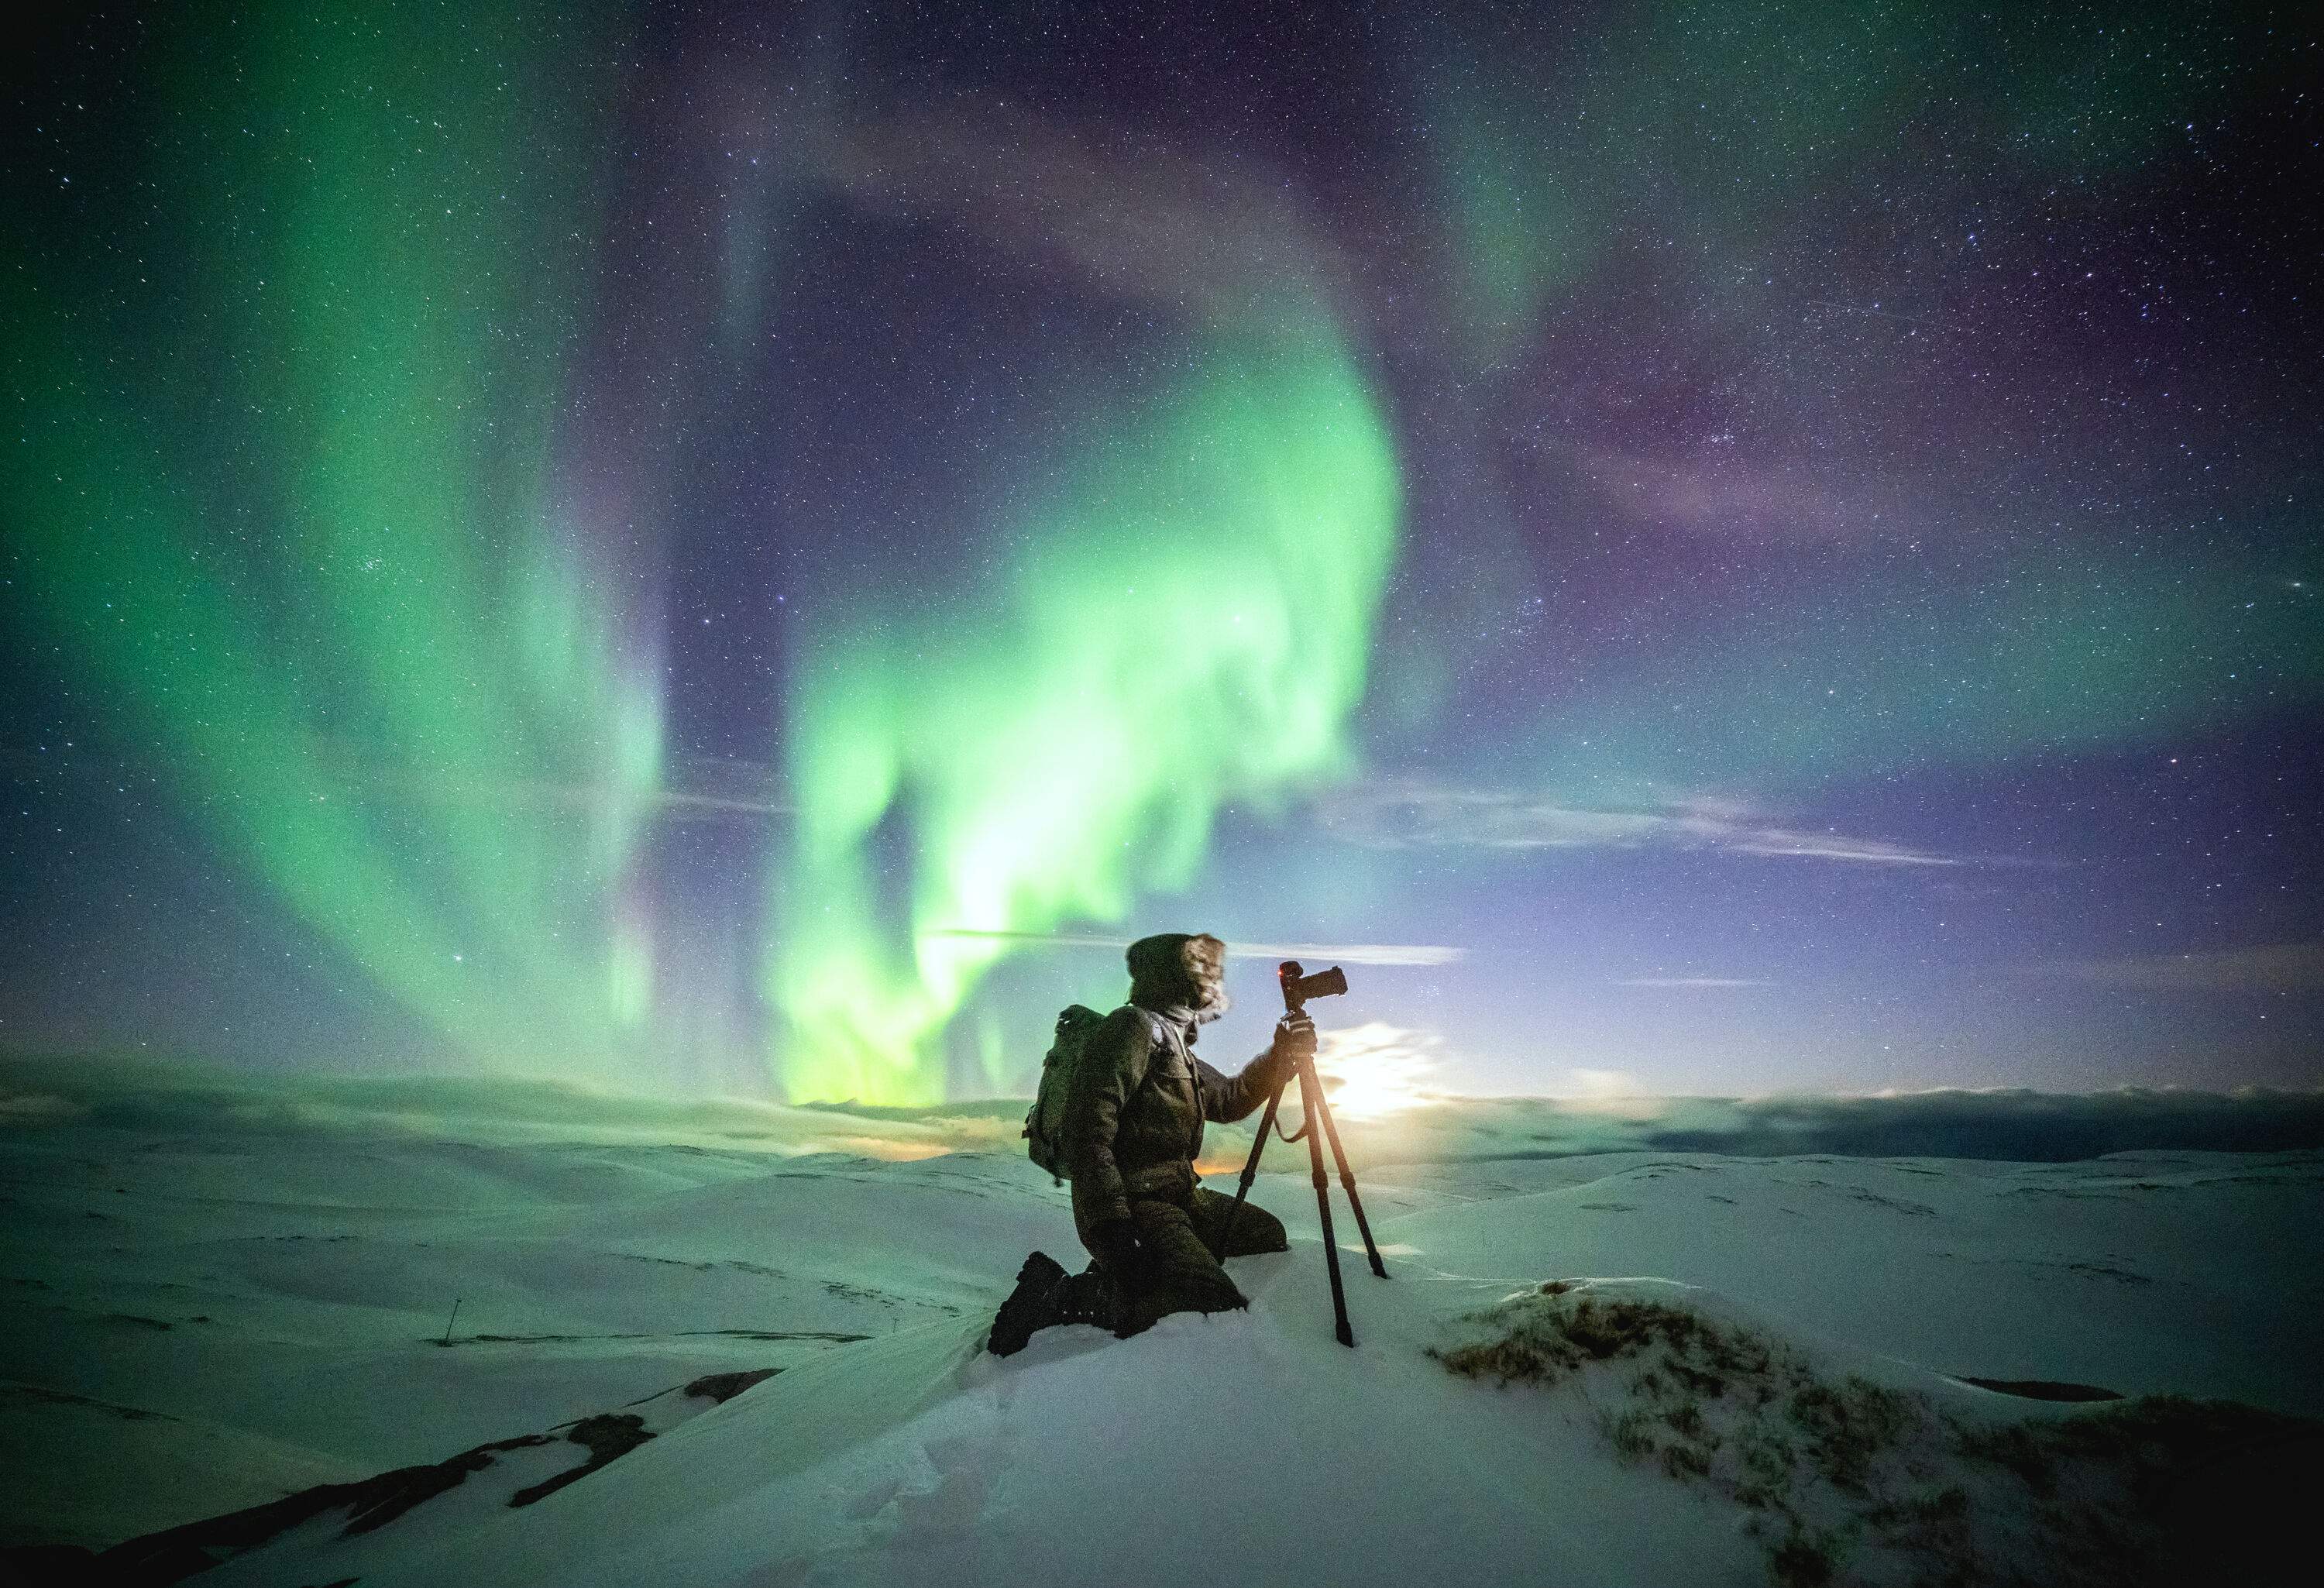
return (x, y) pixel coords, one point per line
(2191, 1273)
(1246, 1449)
(201, 1316)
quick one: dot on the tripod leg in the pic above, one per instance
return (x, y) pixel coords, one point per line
(1347, 1181)
(1249, 1172)
(1311, 1094)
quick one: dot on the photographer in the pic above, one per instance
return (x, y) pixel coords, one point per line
(1133, 1127)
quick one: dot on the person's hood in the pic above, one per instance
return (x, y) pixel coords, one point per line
(1180, 975)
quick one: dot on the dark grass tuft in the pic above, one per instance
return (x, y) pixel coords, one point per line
(1844, 1478)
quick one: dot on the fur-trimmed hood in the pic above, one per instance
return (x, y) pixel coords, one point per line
(1182, 974)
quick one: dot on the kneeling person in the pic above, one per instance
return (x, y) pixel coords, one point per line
(1133, 1127)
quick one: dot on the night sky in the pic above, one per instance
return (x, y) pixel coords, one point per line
(1697, 548)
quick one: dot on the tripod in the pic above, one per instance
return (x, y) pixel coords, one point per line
(1297, 988)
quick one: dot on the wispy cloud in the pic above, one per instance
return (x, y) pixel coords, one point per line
(690, 788)
(2281, 967)
(1411, 813)
(1136, 216)
(1342, 952)
(1713, 487)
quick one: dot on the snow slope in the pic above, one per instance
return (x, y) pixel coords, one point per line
(157, 1294)
(1244, 1449)
(202, 1314)
(2151, 1272)
(1253, 1449)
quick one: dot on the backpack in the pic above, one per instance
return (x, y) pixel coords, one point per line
(1045, 1121)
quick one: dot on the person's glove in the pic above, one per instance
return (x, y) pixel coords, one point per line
(1114, 1244)
(1295, 1040)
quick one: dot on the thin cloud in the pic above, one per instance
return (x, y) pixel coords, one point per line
(1412, 814)
(2283, 967)
(679, 804)
(1827, 847)
(1408, 954)
(691, 787)
(1136, 216)
(1707, 489)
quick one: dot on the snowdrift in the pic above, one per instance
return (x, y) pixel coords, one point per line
(1626, 1431)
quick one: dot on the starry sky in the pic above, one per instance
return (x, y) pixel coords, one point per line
(1703, 548)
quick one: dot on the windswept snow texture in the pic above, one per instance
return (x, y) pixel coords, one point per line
(205, 1311)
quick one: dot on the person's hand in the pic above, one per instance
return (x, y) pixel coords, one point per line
(1295, 1040)
(1115, 1246)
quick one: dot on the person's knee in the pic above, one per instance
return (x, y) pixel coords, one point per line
(1244, 1234)
(1180, 1291)
(1255, 1231)
(1160, 1225)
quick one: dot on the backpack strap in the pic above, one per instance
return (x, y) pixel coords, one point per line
(1163, 1036)
(1162, 1031)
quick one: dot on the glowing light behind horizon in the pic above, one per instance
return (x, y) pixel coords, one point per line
(1376, 1069)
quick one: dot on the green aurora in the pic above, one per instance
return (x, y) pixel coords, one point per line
(314, 504)
(306, 538)
(313, 542)
(1186, 626)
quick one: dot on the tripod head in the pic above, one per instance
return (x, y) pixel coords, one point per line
(1299, 987)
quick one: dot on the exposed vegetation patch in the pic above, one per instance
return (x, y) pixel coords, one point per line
(1852, 1480)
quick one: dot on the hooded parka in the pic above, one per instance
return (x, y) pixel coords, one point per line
(1133, 1121)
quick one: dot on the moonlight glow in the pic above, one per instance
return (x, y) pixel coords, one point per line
(1375, 1069)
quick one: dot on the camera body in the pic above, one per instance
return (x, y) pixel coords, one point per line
(1298, 986)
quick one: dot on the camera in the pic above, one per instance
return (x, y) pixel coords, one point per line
(1298, 987)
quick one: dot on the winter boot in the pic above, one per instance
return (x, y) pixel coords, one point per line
(1090, 1297)
(1027, 1307)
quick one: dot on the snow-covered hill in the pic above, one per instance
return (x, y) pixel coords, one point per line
(1596, 1432)
(201, 1318)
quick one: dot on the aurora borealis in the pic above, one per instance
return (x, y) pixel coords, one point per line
(674, 546)
(1167, 641)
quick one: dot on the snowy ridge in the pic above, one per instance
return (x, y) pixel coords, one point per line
(202, 1320)
(337, 1531)
(1678, 1437)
